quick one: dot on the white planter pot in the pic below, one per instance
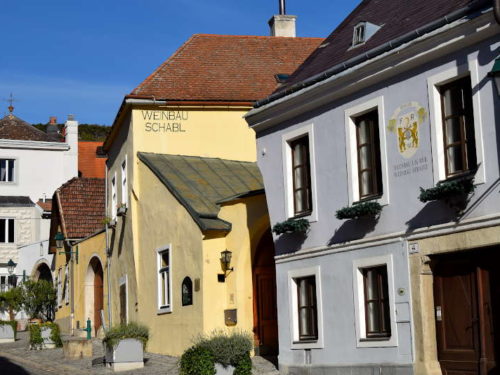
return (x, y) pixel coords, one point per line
(6, 333)
(46, 332)
(221, 370)
(126, 355)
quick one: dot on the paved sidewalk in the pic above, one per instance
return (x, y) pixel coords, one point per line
(51, 361)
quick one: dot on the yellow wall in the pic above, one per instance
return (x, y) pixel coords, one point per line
(207, 132)
(94, 246)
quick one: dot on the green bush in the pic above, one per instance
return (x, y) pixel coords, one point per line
(12, 323)
(447, 189)
(291, 226)
(36, 340)
(131, 330)
(11, 301)
(219, 346)
(358, 210)
(197, 361)
(39, 299)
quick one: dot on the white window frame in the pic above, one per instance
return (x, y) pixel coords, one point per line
(123, 281)
(169, 307)
(358, 29)
(114, 197)
(66, 285)
(14, 172)
(286, 139)
(124, 166)
(359, 301)
(471, 68)
(7, 230)
(293, 307)
(351, 114)
(59, 287)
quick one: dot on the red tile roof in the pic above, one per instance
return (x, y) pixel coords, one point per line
(46, 206)
(12, 127)
(90, 164)
(80, 206)
(226, 68)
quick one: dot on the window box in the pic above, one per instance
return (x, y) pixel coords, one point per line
(7, 331)
(360, 210)
(452, 192)
(127, 355)
(291, 226)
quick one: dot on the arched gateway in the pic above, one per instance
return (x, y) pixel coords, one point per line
(94, 293)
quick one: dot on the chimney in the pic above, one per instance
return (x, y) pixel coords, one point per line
(282, 24)
(71, 156)
(52, 120)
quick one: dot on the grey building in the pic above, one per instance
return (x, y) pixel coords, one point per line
(386, 142)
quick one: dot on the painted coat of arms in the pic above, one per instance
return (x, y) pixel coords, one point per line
(405, 123)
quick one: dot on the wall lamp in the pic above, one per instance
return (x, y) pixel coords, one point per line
(495, 74)
(59, 238)
(11, 266)
(225, 261)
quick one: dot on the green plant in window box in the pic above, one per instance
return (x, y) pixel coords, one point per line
(37, 341)
(450, 191)
(359, 210)
(291, 226)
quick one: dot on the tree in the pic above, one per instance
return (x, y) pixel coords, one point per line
(39, 299)
(12, 301)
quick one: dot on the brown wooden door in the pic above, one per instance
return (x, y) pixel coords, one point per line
(264, 291)
(98, 295)
(466, 297)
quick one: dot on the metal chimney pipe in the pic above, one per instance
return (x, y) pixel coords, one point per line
(282, 7)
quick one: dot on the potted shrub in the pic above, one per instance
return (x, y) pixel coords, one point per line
(39, 300)
(8, 330)
(360, 210)
(452, 192)
(291, 226)
(124, 346)
(45, 336)
(219, 353)
(11, 301)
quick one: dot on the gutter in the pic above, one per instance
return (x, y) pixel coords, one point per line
(379, 50)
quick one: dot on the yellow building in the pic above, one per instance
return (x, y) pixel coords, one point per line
(184, 187)
(80, 256)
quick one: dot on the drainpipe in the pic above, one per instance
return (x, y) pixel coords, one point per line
(108, 255)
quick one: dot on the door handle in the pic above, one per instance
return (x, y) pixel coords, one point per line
(439, 315)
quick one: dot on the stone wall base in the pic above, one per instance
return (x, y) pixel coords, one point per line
(374, 369)
(125, 366)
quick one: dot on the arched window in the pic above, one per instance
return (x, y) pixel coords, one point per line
(187, 291)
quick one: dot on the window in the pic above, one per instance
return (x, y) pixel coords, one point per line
(373, 285)
(164, 280)
(301, 176)
(187, 292)
(7, 170)
(299, 173)
(377, 316)
(7, 231)
(59, 287)
(366, 152)
(3, 284)
(307, 308)
(124, 182)
(123, 296)
(66, 285)
(114, 202)
(458, 127)
(358, 36)
(368, 155)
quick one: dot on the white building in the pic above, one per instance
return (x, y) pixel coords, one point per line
(33, 164)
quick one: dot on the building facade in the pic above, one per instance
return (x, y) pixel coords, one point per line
(389, 277)
(192, 108)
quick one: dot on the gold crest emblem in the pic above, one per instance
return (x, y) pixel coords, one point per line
(405, 123)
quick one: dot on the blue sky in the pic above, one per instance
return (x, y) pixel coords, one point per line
(82, 56)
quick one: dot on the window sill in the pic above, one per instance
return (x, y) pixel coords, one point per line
(376, 339)
(164, 310)
(307, 344)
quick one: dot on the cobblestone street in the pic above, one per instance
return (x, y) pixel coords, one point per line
(17, 359)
